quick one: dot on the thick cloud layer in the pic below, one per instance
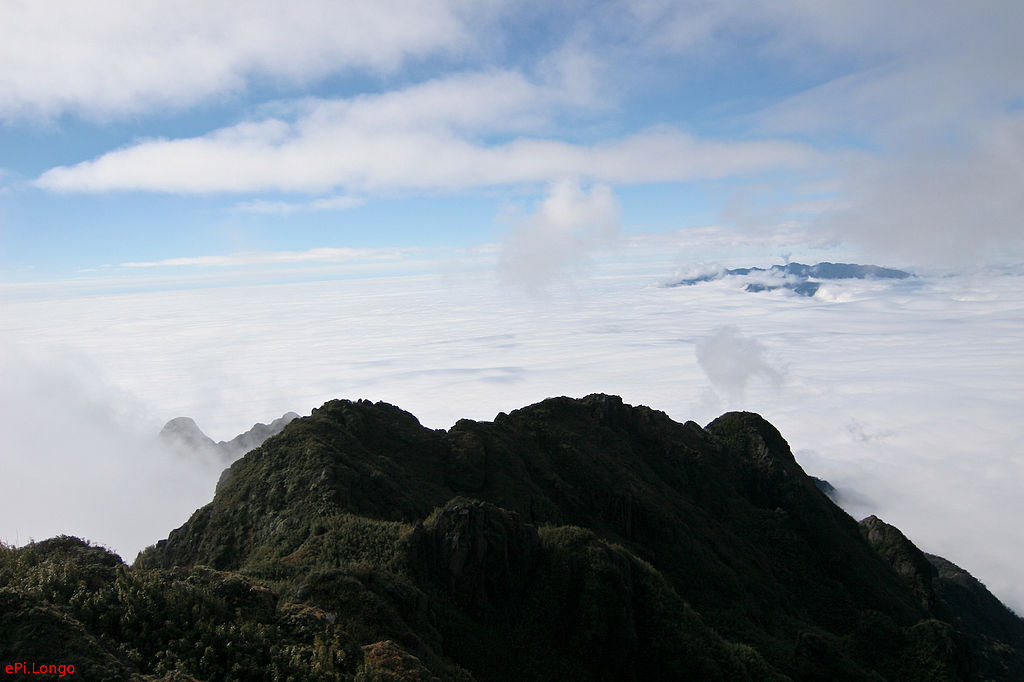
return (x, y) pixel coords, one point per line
(905, 395)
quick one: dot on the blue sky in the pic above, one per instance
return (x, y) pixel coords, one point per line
(141, 133)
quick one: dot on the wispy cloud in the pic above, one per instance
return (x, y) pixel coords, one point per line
(319, 255)
(904, 108)
(431, 137)
(339, 156)
(339, 202)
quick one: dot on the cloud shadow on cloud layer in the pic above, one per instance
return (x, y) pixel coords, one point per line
(731, 360)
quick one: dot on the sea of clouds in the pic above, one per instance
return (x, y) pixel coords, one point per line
(905, 395)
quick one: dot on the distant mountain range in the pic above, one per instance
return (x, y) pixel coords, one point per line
(573, 539)
(801, 279)
(184, 433)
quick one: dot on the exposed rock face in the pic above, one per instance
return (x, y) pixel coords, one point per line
(482, 554)
(572, 539)
(388, 662)
(906, 560)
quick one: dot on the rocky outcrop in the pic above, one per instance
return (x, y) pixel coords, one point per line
(254, 437)
(386, 661)
(183, 434)
(481, 554)
(903, 557)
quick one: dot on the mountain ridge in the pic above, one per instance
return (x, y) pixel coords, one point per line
(799, 278)
(570, 539)
(183, 433)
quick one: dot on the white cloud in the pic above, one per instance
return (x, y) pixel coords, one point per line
(318, 255)
(339, 202)
(336, 203)
(560, 236)
(110, 57)
(445, 134)
(932, 76)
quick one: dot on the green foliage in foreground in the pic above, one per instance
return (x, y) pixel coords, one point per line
(584, 610)
(206, 624)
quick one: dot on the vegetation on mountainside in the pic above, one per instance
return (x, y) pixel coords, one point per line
(64, 600)
(572, 539)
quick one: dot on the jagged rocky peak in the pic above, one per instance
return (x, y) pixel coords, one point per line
(184, 434)
(753, 435)
(255, 436)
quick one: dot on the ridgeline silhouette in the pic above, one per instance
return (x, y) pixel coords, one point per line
(574, 539)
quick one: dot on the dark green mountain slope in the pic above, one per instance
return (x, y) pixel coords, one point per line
(994, 634)
(571, 539)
